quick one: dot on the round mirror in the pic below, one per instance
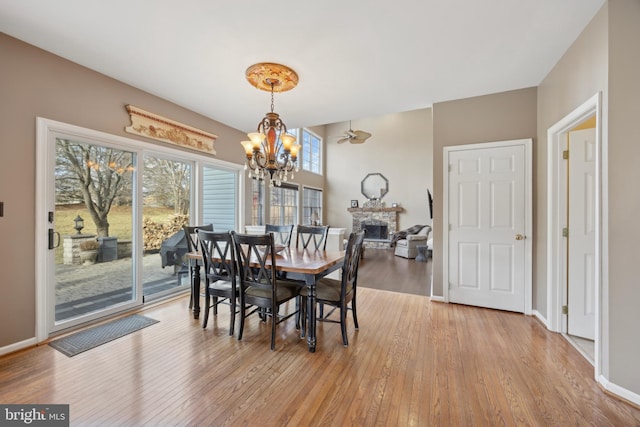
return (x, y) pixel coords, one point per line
(374, 186)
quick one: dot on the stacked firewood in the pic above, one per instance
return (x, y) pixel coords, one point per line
(154, 233)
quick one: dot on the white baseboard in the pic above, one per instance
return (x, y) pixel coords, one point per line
(541, 318)
(619, 391)
(437, 298)
(18, 346)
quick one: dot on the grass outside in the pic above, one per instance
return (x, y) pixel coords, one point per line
(120, 221)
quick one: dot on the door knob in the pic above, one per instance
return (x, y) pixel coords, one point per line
(520, 237)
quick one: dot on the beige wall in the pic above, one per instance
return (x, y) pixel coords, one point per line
(605, 58)
(497, 117)
(580, 73)
(36, 83)
(400, 149)
(624, 200)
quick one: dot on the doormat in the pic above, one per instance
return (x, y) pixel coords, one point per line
(98, 335)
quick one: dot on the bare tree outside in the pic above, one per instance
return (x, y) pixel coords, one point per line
(167, 183)
(98, 176)
(102, 177)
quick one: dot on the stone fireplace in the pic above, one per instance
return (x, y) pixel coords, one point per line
(378, 221)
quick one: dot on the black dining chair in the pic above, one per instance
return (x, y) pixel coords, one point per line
(339, 293)
(281, 234)
(191, 235)
(312, 237)
(218, 258)
(308, 237)
(281, 237)
(261, 290)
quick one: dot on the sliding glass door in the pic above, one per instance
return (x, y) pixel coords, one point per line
(110, 212)
(166, 207)
(93, 217)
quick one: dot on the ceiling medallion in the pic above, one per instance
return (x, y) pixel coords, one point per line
(268, 76)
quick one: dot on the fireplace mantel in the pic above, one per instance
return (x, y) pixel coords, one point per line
(355, 210)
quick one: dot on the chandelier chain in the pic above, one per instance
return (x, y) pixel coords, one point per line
(272, 97)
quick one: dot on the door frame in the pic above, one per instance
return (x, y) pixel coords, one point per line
(528, 208)
(47, 131)
(556, 220)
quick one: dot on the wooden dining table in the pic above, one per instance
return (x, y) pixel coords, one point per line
(307, 264)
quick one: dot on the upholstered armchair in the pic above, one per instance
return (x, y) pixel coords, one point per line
(408, 246)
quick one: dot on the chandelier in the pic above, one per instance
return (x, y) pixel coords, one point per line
(272, 153)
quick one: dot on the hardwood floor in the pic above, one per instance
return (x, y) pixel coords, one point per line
(413, 362)
(381, 269)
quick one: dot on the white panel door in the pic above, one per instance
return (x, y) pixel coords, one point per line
(487, 194)
(581, 258)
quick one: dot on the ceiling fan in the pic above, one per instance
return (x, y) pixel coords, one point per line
(354, 136)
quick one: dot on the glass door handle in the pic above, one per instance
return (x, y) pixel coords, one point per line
(51, 239)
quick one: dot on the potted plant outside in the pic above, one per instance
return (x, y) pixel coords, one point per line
(89, 251)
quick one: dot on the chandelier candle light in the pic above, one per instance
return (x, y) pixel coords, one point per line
(271, 150)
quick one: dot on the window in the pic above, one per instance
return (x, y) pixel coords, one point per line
(284, 205)
(311, 206)
(257, 202)
(310, 157)
(311, 152)
(219, 198)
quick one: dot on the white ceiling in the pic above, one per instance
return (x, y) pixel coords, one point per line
(355, 58)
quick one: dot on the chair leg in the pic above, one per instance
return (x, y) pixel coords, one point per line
(343, 324)
(354, 312)
(273, 330)
(191, 298)
(303, 316)
(215, 306)
(298, 311)
(242, 316)
(206, 311)
(232, 318)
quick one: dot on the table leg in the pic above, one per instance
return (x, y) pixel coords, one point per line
(195, 289)
(311, 316)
